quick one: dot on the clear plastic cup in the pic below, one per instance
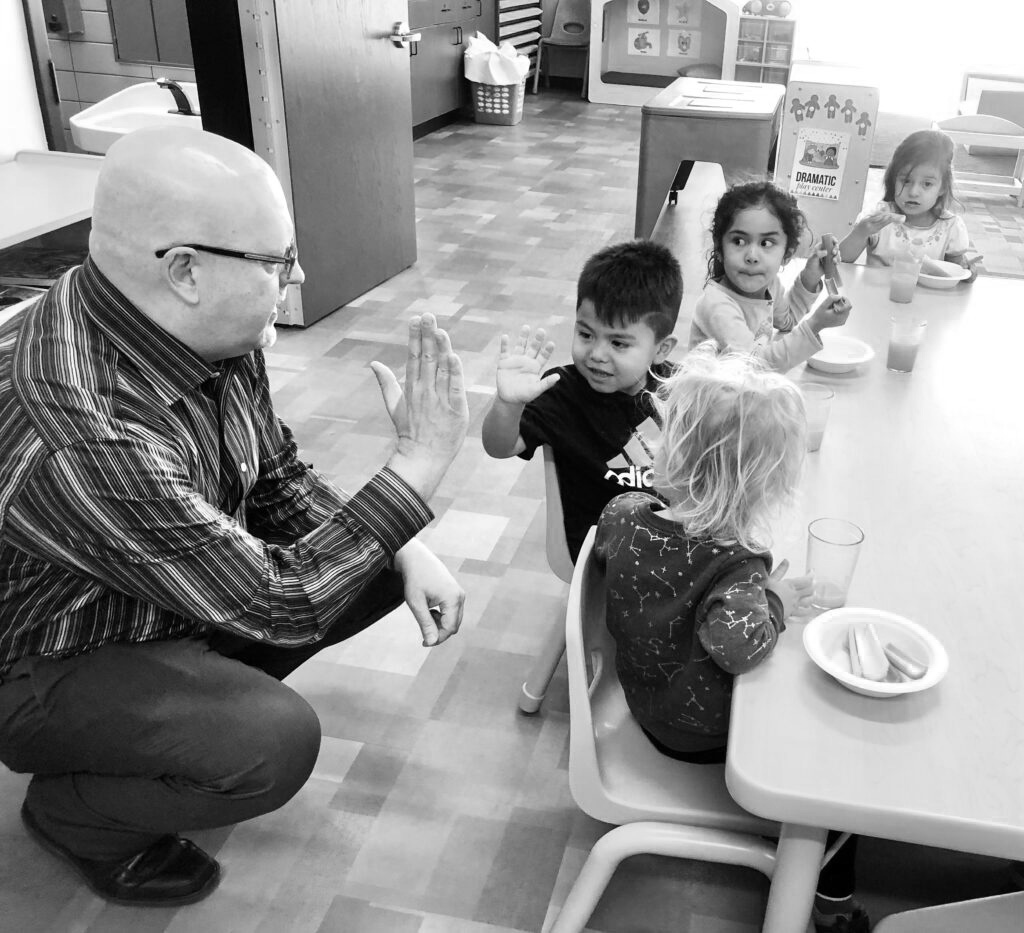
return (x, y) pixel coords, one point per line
(905, 337)
(818, 403)
(906, 267)
(833, 546)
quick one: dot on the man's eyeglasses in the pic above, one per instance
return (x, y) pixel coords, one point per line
(288, 260)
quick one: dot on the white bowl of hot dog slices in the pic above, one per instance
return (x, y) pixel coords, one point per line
(874, 652)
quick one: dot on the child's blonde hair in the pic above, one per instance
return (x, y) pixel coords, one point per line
(732, 445)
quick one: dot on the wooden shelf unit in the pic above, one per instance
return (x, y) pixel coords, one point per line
(764, 49)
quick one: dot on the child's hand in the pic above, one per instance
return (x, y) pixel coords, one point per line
(832, 312)
(967, 262)
(814, 268)
(879, 220)
(794, 593)
(519, 368)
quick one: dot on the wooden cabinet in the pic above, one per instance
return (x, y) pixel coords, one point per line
(438, 86)
(764, 50)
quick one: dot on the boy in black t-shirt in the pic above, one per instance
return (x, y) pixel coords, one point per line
(595, 414)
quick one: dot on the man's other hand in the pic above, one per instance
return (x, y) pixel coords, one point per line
(431, 592)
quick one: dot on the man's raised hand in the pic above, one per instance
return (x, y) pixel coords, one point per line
(431, 415)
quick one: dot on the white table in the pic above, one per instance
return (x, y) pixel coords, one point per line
(41, 191)
(931, 465)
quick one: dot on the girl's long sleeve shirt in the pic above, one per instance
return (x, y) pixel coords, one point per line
(773, 328)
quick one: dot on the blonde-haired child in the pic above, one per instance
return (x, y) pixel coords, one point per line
(914, 211)
(692, 599)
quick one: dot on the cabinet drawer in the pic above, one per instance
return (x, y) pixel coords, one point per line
(421, 13)
(447, 11)
(440, 12)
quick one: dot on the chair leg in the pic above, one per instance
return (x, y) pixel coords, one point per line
(536, 70)
(677, 841)
(543, 669)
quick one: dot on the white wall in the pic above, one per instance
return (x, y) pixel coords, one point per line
(915, 51)
(21, 124)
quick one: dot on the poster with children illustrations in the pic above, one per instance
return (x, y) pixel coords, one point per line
(823, 158)
(644, 11)
(683, 43)
(819, 161)
(684, 13)
(644, 42)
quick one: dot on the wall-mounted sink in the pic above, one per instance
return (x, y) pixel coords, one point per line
(148, 104)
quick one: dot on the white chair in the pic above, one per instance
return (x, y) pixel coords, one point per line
(1001, 914)
(570, 29)
(659, 805)
(557, 550)
(979, 129)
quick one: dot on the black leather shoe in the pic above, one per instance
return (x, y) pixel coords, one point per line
(170, 872)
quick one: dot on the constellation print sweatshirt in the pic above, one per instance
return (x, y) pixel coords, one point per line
(687, 614)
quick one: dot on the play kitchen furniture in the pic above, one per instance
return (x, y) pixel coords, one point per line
(733, 123)
(764, 51)
(828, 126)
(943, 767)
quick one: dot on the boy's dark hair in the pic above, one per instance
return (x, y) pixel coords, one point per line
(925, 147)
(633, 281)
(743, 197)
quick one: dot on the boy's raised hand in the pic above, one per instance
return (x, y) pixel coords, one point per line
(519, 367)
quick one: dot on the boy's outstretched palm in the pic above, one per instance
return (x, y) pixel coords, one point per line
(519, 367)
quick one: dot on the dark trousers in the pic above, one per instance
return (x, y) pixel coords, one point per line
(132, 741)
(838, 879)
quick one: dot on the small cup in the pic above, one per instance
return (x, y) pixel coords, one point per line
(818, 404)
(833, 546)
(905, 336)
(906, 267)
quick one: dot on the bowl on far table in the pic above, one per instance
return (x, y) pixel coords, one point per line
(840, 353)
(937, 273)
(825, 640)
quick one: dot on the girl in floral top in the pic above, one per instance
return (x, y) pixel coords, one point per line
(914, 213)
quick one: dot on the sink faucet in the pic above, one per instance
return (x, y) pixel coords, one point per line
(184, 107)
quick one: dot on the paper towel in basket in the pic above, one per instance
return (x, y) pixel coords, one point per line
(487, 63)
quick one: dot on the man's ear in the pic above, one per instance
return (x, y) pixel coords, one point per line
(665, 348)
(181, 272)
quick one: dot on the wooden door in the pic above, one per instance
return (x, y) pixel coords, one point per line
(349, 127)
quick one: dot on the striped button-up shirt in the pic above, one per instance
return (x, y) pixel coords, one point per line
(146, 494)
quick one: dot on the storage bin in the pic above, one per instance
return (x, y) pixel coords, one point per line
(498, 103)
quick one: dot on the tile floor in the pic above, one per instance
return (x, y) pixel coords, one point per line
(435, 806)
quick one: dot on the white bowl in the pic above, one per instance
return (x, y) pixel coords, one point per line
(825, 639)
(950, 276)
(840, 353)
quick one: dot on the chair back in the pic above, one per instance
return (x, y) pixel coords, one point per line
(556, 547)
(615, 774)
(1003, 913)
(571, 24)
(980, 123)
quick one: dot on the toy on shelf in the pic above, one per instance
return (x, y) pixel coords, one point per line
(767, 8)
